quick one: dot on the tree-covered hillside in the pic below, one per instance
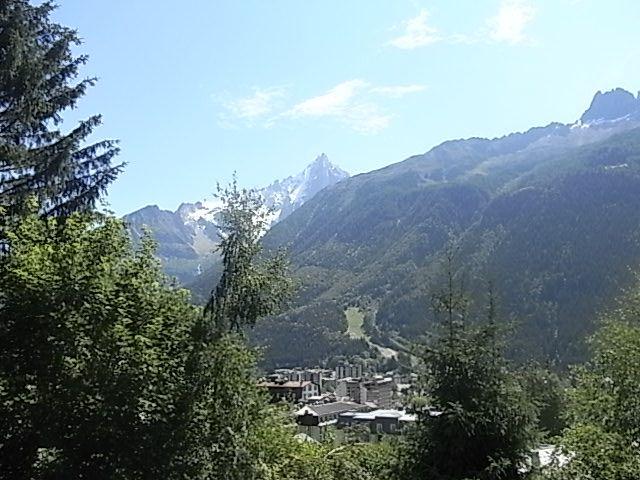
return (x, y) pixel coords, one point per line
(546, 215)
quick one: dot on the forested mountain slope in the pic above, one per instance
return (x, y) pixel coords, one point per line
(549, 216)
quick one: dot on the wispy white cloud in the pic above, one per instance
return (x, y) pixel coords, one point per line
(332, 102)
(467, 38)
(254, 107)
(511, 21)
(354, 103)
(507, 25)
(417, 33)
(346, 103)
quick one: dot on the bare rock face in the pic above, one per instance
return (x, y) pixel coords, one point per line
(612, 105)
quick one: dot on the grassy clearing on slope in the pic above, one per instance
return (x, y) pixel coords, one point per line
(355, 322)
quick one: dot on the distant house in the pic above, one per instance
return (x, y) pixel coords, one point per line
(316, 375)
(314, 419)
(345, 370)
(379, 422)
(322, 398)
(295, 391)
(378, 392)
(352, 389)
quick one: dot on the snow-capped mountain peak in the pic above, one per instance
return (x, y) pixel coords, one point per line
(189, 233)
(286, 195)
(282, 196)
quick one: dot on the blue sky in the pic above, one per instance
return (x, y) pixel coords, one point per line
(199, 88)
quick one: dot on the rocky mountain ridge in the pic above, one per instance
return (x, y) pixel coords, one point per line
(549, 216)
(187, 236)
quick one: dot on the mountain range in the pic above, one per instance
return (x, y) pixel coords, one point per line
(549, 217)
(187, 237)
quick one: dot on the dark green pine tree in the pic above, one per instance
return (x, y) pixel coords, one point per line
(480, 424)
(38, 82)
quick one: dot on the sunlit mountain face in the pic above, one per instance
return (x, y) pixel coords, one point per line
(187, 236)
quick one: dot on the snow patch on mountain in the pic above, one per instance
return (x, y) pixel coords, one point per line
(187, 237)
(281, 197)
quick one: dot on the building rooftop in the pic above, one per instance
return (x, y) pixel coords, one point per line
(378, 413)
(378, 381)
(372, 415)
(288, 384)
(329, 408)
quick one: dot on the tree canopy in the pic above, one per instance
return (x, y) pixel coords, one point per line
(603, 409)
(478, 422)
(38, 83)
(93, 346)
(250, 287)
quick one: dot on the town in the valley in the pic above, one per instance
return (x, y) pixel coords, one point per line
(353, 403)
(349, 402)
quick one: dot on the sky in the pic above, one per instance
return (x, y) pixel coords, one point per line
(197, 89)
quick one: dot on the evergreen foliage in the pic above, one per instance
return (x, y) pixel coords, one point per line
(604, 407)
(548, 391)
(306, 338)
(107, 372)
(223, 411)
(38, 82)
(479, 423)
